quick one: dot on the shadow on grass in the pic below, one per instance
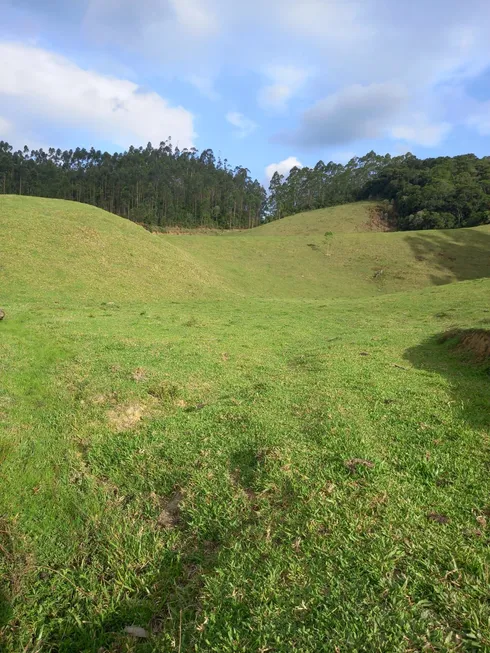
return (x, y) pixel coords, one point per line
(5, 613)
(469, 378)
(459, 254)
(168, 610)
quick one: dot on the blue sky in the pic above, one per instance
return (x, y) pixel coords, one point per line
(266, 84)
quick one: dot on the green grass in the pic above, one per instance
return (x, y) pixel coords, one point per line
(346, 218)
(52, 248)
(175, 448)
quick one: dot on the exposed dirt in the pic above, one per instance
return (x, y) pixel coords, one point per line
(473, 341)
(354, 463)
(126, 417)
(170, 515)
(379, 220)
(139, 374)
(440, 519)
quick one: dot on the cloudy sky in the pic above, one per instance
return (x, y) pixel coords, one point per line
(267, 84)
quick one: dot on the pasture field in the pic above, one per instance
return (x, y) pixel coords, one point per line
(240, 444)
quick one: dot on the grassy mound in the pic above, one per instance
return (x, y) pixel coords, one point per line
(341, 265)
(347, 218)
(55, 249)
(232, 459)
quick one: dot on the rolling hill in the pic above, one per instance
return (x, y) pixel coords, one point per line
(54, 249)
(347, 218)
(262, 441)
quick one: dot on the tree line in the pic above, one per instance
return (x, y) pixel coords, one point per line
(166, 187)
(438, 193)
(159, 186)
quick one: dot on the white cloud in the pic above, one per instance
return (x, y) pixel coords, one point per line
(244, 125)
(356, 43)
(371, 41)
(354, 113)
(283, 167)
(195, 17)
(338, 23)
(421, 131)
(166, 31)
(52, 89)
(285, 82)
(204, 85)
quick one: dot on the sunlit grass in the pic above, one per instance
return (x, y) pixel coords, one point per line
(232, 473)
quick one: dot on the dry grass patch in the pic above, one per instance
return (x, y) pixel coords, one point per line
(123, 418)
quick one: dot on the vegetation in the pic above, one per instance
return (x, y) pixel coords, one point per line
(160, 186)
(52, 248)
(442, 193)
(305, 189)
(345, 218)
(164, 187)
(227, 444)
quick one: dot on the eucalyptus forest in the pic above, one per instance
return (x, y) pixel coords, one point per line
(166, 187)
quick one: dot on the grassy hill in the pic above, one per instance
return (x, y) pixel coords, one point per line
(240, 443)
(343, 265)
(346, 218)
(53, 249)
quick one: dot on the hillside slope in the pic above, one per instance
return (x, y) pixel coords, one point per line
(342, 265)
(346, 218)
(53, 249)
(56, 248)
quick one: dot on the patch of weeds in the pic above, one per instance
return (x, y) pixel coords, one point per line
(310, 362)
(328, 241)
(165, 391)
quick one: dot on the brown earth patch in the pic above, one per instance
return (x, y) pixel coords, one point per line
(353, 464)
(379, 219)
(126, 417)
(139, 374)
(473, 341)
(170, 514)
(440, 519)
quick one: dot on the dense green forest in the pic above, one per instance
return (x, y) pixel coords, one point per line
(445, 192)
(160, 186)
(165, 187)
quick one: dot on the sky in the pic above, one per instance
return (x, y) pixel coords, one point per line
(267, 84)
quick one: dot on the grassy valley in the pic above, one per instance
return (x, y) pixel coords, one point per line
(250, 442)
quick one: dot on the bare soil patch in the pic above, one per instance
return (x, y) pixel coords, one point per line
(126, 417)
(170, 515)
(473, 341)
